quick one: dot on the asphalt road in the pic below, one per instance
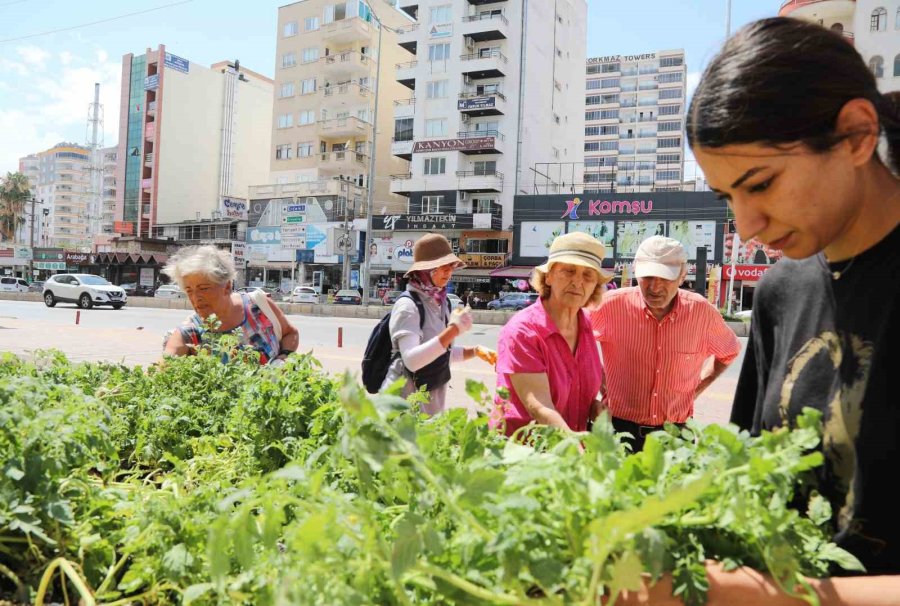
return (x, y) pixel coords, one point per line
(133, 335)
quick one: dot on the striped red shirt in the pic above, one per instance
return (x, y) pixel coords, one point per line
(653, 367)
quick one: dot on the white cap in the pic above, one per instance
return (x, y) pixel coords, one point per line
(659, 257)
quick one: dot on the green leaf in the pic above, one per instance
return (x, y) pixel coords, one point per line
(819, 510)
(407, 545)
(846, 560)
(194, 592)
(625, 573)
(177, 560)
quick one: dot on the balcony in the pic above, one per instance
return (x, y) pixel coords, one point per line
(347, 64)
(407, 37)
(480, 181)
(321, 187)
(348, 127)
(346, 31)
(484, 64)
(489, 141)
(406, 74)
(148, 159)
(150, 130)
(402, 149)
(410, 7)
(402, 184)
(476, 104)
(345, 161)
(349, 93)
(405, 108)
(826, 10)
(486, 27)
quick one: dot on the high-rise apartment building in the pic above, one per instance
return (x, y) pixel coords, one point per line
(60, 180)
(495, 92)
(190, 138)
(634, 122)
(873, 26)
(326, 65)
(108, 162)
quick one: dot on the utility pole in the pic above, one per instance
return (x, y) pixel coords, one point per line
(31, 242)
(366, 273)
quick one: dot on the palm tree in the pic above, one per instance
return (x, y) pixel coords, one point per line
(14, 191)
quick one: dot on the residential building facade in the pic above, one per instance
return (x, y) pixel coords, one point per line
(108, 162)
(872, 26)
(60, 180)
(634, 112)
(190, 138)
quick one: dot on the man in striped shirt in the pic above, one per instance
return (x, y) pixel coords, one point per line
(655, 339)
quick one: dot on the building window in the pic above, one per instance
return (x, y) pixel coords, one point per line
(403, 129)
(290, 29)
(287, 89)
(614, 98)
(670, 126)
(305, 149)
(608, 114)
(285, 120)
(876, 64)
(308, 86)
(670, 110)
(594, 84)
(593, 146)
(897, 66)
(283, 152)
(671, 61)
(436, 127)
(668, 175)
(307, 116)
(668, 159)
(670, 93)
(671, 142)
(879, 20)
(487, 167)
(432, 204)
(439, 52)
(591, 131)
(671, 77)
(288, 60)
(435, 166)
(436, 89)
(592, 100)
(310, 24)
(442, 14)
(482, 205)
(310, 54)
(592, 115)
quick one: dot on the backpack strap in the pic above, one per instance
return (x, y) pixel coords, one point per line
(419, 307)
(262, 302)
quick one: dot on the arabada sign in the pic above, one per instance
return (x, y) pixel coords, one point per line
(473, 144)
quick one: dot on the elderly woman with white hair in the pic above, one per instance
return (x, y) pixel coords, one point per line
(206, 275)
(546, 357)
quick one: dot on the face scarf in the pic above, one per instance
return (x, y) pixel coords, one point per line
(421, 281)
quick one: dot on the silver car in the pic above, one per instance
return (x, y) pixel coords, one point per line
(169, 291)
(85, 290)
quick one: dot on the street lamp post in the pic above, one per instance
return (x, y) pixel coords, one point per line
(371, 179)
(31, 240)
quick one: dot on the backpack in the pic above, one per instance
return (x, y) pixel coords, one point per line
(380, 349)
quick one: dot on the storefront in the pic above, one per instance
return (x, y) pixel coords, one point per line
(621, 222)
(14, 261)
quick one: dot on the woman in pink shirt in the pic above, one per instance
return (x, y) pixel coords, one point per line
(547, 357)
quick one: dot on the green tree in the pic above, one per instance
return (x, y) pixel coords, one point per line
(14, 192)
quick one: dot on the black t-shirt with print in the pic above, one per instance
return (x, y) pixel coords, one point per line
(825, 343)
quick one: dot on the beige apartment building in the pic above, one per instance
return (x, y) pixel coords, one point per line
(326, 64)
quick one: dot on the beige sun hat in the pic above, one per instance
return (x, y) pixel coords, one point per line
(578, 248)
(432, 251)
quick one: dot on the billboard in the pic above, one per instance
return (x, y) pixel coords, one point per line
(537, 236)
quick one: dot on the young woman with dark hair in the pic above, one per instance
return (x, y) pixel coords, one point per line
(786, 124)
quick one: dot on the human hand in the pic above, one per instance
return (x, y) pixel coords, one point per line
(597, 407)
(488, 355)
(461, 319)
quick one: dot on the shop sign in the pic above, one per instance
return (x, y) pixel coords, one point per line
(234, 208)
(125, 228)
(177, 63)
(441, 30)
(421, 222)
(594, 208)
(147, 276)
(239, 253)
(151, 82)
(77, 258)
(306, 256)
(748, 273)
(616, 58)
(488, 261)
(473, 144)
(477, 103)
(50, 265)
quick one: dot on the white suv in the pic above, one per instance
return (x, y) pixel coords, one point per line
(86, 290)
(8, 284)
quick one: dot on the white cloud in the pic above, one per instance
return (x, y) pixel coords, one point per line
(693, 79)
(43, 108)
(34, 56)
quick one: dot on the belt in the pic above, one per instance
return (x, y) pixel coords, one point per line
(643, 430)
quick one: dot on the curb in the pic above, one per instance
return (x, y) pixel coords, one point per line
(371, 312)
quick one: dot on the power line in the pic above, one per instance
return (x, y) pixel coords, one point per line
(73, 27)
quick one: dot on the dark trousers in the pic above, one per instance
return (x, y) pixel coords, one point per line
(638, 432)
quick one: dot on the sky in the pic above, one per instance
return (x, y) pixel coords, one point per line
(47, 75)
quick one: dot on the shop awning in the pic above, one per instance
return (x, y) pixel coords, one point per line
(471, 271)
(123, 258)
(512, 271)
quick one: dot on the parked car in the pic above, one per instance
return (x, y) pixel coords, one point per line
(36, 286)
(304, 294)
(390, 297)
(347, 297)
(514, 300)
(133, 289)
(8, 284)
(170, 291)
(86, 290)
(270, 292)
(455, 301)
